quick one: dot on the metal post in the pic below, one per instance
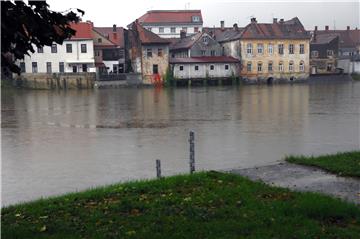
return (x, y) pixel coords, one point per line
(192, 151)
(158, 168)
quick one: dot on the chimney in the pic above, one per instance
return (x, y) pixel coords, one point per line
(326, 28)
(274, 20)
(348, 28)
(90, 22)
(182, 34)
(235, 27)
(253, 20)
(316, 28)
(114, 28)
(282, 20)
(222, 25)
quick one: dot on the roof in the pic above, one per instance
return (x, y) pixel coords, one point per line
(347, 38)
(170, 16)
(83, 30)
(204, 59)
(224, 34)
(291, 29)
(323, 39)
(108, 32)
(145, 36)
(185, 43)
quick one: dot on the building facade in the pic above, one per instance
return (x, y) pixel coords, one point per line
(148, 54)
(74, 55)
(323, 54)
(169, 23)
(275, 52)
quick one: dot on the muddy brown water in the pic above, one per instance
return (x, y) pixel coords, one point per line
(55, 141)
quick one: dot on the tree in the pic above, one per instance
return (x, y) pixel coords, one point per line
(24, 25)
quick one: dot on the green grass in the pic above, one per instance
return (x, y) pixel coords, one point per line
(343, 164)
(355, 76)
(203, 205)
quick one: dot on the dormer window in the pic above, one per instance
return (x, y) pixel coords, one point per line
(195, 18)
(99, 40)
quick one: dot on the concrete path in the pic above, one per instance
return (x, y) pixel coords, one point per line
(304, 178)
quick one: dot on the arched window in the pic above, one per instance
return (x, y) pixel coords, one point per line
(291, 66)
(270, 66)
(281, 66)
(249, 48)
(259, 67)
(302, 66)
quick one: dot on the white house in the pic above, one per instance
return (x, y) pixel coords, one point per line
(74, 55)
(169, 23)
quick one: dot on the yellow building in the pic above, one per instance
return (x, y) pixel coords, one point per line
(278, 51)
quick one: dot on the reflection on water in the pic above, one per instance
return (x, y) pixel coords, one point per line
(55, 142)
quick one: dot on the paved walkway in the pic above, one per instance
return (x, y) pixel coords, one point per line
(304, 178)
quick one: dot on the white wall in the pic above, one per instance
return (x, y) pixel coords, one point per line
(204, 71)
(167, 30)
(74, 58)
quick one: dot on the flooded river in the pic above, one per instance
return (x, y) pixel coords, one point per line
(56, 142)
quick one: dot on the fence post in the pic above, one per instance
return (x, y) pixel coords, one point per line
(192, 151)
(158, 168)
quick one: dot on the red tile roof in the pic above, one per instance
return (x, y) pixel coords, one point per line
(145, 36)
(291, 29)
(170, 16)
(117, 38)
(347, 38)
(205, 59)
(83, 30)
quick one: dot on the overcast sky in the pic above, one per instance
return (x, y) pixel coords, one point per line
(310, 12)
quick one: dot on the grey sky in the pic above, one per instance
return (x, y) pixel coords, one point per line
(311, 13)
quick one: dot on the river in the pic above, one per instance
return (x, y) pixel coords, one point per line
(63, 141)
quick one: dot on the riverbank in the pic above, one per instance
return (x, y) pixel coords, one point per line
(208, 205)
(342, 164)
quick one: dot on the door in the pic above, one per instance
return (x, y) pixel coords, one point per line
(74, 69)
(313, 70)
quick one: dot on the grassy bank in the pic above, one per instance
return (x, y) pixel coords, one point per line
(203, 205)
(344, 164)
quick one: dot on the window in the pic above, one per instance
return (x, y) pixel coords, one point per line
(53, 48)
(68, 48)
(181, 68)
(97, 53)
(301, 67)
(61, 67)
(212, 53)
(149, 28)
(173, 30)
(291, 66)
(270, 67)
(330, 52)
(161, 30)
(155, 69)
(212, 67)
(270, 49)
(149, 52)
(259, 67)
(22, 67)
(160, 52)
(329, 67)
(34, 67)
(40, 50)
(184, 29)
(83, 48)
(99, 40)
(260, 48)
(302, 48)
(196, 29)
(314, 53)
(48, 67)
(196, 19)
(205, 39)
(74, 68)
(248, 67)
(281, 66)
(203, 53)
(84, 67)
(281, 49)
(226, 67)
(249, 48)
(291, 48)
(196, 68)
